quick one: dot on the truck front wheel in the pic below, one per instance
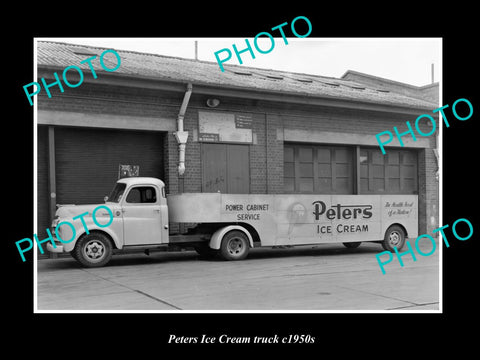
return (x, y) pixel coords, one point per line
(234, 246)
(93, 250)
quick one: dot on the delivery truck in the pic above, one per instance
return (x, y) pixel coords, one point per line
(141, 216)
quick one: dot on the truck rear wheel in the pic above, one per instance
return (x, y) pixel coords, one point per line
(234, 245)
(93, 250)
(394, 237)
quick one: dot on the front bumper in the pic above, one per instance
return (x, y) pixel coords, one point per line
(57, 249)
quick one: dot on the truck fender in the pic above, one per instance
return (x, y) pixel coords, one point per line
(70, 245)
(409, 234)
(218, 235)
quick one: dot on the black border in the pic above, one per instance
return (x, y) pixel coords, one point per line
(460, 77)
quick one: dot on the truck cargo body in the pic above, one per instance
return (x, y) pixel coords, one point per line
(300, 219)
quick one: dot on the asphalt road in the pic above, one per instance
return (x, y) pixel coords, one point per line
(325, 277)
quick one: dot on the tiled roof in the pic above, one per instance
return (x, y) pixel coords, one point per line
(235, 76)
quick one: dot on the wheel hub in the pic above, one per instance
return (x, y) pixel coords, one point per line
(235, 246)
(94, 249)
(395, 238)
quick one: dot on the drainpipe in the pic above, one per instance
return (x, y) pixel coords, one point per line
(180, 135)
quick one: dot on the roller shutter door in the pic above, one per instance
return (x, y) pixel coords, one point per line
(87, 160)
(87, 165)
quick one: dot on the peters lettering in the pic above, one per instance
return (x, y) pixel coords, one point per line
(340, 211)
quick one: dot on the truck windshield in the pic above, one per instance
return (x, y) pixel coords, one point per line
(117, 192)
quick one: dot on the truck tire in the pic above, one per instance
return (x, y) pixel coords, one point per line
(73, 254)
(234, 245)
(394, 237)
(93, 250)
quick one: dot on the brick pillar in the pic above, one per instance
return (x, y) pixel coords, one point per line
(274, 138)
(428, 195)
(432, 191)
(193, 163)
(258, 156)
(171, 163)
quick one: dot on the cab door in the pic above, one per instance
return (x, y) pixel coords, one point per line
(142, 216)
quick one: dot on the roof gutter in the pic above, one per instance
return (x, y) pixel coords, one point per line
(180, 135)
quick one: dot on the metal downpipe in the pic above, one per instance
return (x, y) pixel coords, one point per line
(180, 135)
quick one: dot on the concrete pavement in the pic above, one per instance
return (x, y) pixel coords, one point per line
(324, 277)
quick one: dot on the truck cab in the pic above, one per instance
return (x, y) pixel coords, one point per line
(140, 219)
(142, 210)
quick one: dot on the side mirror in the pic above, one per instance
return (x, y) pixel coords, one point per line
(105, 198)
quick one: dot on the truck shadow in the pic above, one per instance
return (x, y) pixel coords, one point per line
(139, 258)
(254, 255)
(322, 250)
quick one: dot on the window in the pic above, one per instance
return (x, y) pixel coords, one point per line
(142, 194)
(392, 173)
(336, 170)
(318, 169)
(117, 192)
(289, 169)
(331, 169)
(305, 169)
